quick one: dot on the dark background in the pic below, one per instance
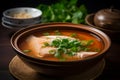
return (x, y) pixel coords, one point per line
(92, 5)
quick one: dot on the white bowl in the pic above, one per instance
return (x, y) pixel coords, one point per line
(9, 16)
(19, 24)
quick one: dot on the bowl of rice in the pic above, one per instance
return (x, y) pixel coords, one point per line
(21, 16)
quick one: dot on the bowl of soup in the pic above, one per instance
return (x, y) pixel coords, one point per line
(60, 49)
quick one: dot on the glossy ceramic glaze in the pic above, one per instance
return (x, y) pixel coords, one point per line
(58, 68)
(113, 34)
(108, 19)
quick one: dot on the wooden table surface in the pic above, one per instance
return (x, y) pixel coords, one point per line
(112, 58)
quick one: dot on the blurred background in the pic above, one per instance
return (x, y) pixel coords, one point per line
(92, 5)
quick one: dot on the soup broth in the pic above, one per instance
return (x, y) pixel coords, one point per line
(61, 45)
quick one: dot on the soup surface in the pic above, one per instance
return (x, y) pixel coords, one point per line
(61, 45)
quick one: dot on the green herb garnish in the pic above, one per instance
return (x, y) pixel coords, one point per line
(89, 42)
(96, 50)
(62, 59)
(57, 32)
(73, 35)
(86, 42)
(56, 43)
(52, 51)
(46, 44)
(26, 51)
(69, 47)
(46, 34)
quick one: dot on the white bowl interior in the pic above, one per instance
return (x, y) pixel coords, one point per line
(31, 11)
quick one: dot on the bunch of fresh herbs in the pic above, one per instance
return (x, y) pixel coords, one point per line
(63, 11)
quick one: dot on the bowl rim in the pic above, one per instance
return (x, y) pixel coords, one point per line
(43, 25)
(19, 25)
(11, 9)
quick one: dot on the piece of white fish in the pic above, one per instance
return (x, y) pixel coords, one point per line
(37, 43)
(84, 54)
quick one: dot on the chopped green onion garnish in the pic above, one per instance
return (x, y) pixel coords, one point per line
(57, 32)
(46, 34)
(96, 50)
(68, 46)
(46, 44)
(56, 42)
(86, 42)
(62, 59)
(52, 51)
(26, 51)
(73, 35)
(89, 42)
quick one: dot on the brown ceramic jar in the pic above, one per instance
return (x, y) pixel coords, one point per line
(108, 19)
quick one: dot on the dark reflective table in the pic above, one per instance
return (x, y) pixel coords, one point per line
(110, 72)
